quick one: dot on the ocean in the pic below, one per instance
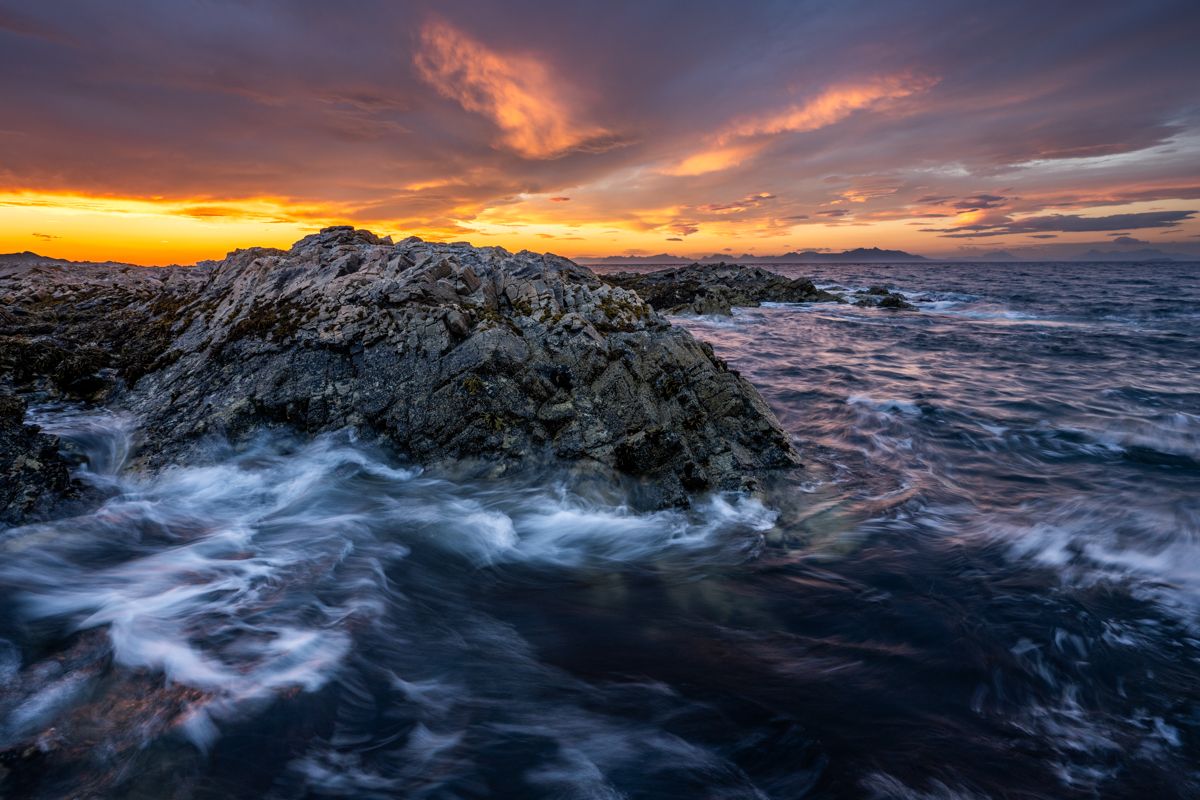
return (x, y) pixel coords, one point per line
(985, 583)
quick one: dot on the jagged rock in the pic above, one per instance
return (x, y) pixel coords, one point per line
(68, 328)
(882, 297)
(444, 351)
(716, 288)
(33, 477)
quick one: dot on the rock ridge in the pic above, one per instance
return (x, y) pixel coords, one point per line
(444, 352)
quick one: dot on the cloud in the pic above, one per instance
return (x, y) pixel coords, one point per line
(870, 188)
(516, 92)
(714, 159)
(46, 236)
(1128, 240)
(748, 202)
(829, 107)
(979, 201)
(559, 199)
(246, 121)
(736, 144)
(1070, 223)
(674, 239)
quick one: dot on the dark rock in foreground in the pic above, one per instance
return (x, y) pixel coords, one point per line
(882, 297)
(717, 288)
(446, 352)
(33, 477)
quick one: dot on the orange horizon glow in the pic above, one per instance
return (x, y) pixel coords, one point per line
(159, 231)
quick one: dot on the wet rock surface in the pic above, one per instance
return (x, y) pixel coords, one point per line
(33, 477)
(445, 352)
(882, 297)
(717, 288)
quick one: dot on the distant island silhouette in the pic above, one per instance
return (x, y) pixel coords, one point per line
(858, 254)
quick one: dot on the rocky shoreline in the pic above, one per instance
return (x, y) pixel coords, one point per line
(444, 353)
(717, 288)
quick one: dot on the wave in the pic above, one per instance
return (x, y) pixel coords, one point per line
(247, 577)
(886, 405)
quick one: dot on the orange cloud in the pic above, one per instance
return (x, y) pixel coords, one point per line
(829, 107)
(516, 92)
(714, 159)
(741, 141)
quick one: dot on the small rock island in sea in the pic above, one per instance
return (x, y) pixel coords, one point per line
(445, 353)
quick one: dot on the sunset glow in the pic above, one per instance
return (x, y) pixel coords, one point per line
(530, 400)
(461, 126)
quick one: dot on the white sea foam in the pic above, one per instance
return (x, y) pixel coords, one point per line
(886, 405)
(245, 578)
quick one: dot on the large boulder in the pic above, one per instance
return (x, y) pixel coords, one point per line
(449, 352)
(717, 288)
(882, 297)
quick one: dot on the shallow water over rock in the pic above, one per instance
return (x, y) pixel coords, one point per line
(987, 585)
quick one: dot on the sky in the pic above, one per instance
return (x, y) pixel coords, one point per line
(169, 131)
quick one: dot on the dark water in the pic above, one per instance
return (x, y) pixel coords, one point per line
(988, 585)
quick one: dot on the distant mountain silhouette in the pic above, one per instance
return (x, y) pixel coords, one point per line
(857, 255)
(29, 258)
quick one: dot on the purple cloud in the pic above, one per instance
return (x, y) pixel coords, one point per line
(1072, 223)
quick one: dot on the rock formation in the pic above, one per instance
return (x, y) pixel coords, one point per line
(33, 477)
(445, 352)
(68, 328)
(716, 288)
(882, 297)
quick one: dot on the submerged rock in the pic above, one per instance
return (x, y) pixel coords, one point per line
(717, 288)
(33, 477)
(882, 297)
(446, 352)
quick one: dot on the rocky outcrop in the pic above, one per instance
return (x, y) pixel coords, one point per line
(67, 329)
(716, 288)
(445, 352)
(882, 297)
(33, 477)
